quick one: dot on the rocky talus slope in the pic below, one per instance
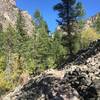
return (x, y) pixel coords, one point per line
(9, 14)
(79, 80)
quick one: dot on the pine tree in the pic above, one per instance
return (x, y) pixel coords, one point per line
(22, 40)
(58, 50)
(69, 13)
(97, 23)
(41, 43)
(37, 17)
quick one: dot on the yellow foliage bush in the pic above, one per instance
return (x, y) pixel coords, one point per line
(5, 85)
(88, 36)
(8, 84)
(2, 63)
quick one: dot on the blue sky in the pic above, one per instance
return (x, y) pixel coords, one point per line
(45, 6)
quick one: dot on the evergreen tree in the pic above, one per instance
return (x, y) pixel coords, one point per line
(58, 49)
(37, 17)
(69, 13)
(39, 21)
(22, 40)
(42, 41)
(97, 23)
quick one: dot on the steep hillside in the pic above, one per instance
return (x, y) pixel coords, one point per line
(27, 62)
(74, 82)
(9, 14)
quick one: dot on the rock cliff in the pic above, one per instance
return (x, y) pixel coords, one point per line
(90, 21)
(9, 14)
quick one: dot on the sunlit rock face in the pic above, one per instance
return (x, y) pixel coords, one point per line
(9, 14)
(89, 22)
(13, 2)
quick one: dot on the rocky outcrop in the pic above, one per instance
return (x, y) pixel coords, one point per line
(90, 21)
(9, 14)
(73, 82)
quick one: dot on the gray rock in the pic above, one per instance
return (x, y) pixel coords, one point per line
(9, 13)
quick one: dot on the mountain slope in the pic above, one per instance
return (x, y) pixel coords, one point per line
(74, 82)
